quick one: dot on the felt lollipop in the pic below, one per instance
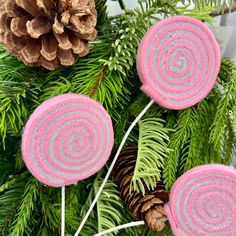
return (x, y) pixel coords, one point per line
(67, 138)
(178, 61)
(203, 202)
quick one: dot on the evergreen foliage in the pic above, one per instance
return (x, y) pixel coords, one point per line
(108, 207)
(152, 152)
(170, 142)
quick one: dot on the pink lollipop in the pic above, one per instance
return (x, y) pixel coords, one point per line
(203, 202)
(178, 61)
(67, 138)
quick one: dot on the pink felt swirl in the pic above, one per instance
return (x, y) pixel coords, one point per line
(67, 138)
(203, 202)
(178, 61)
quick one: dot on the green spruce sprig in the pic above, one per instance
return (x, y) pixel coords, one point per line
(107, 213)
(222, 129)
(152, 152)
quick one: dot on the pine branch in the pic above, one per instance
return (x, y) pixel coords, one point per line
(234, 122)
(108, 208)
(102, 18)
(203, 15)
(152, 151)
(10, 198)
(225, 105)
(183, 129)
(25, 213)
(130, 33)
(19, 162)
(18, 90)
(229, 141)
(134, 24)
(76, 197)
(127, 218)
(139, 103)
(121, 125)
(192, 153)
(219, 5)
(88, 76)
(7, 167)
(50, 209)
(222, 11)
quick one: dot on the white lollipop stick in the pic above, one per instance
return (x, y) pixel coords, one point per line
(131, 224)
(63, 203)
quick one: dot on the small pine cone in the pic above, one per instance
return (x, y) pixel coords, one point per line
(47, 33)
(150, 207)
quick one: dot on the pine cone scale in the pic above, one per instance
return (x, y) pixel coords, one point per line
(155, 220)
(18, 26)
(10, 40)
(77, 44)
(5, 22)
(147, 198)
(31, 52)
(29, 6)
(46, 5)
(50, 65)
(10, 7)
(49, 48)
(66, 57)
(58, 27)
(63, 41)
(38, 26)
(134, 202)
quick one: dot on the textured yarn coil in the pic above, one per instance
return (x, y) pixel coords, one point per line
(67, 138)
(203, 202)
(178, 61)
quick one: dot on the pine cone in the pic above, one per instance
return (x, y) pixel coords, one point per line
(47, 33)
(150, 207)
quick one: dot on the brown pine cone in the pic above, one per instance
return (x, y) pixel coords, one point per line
(150, 207)
(47, 33)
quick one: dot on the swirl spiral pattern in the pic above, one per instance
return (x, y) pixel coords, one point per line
(67, 138)
(203, 202)
(178, 61)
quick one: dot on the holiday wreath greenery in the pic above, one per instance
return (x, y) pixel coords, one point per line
(204, 133)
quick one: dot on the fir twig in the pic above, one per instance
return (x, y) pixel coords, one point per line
(222, 124)
(107, 214)
(152, 151)
(184, 128)
(21, 224)
(18, 90)
(10, 200)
